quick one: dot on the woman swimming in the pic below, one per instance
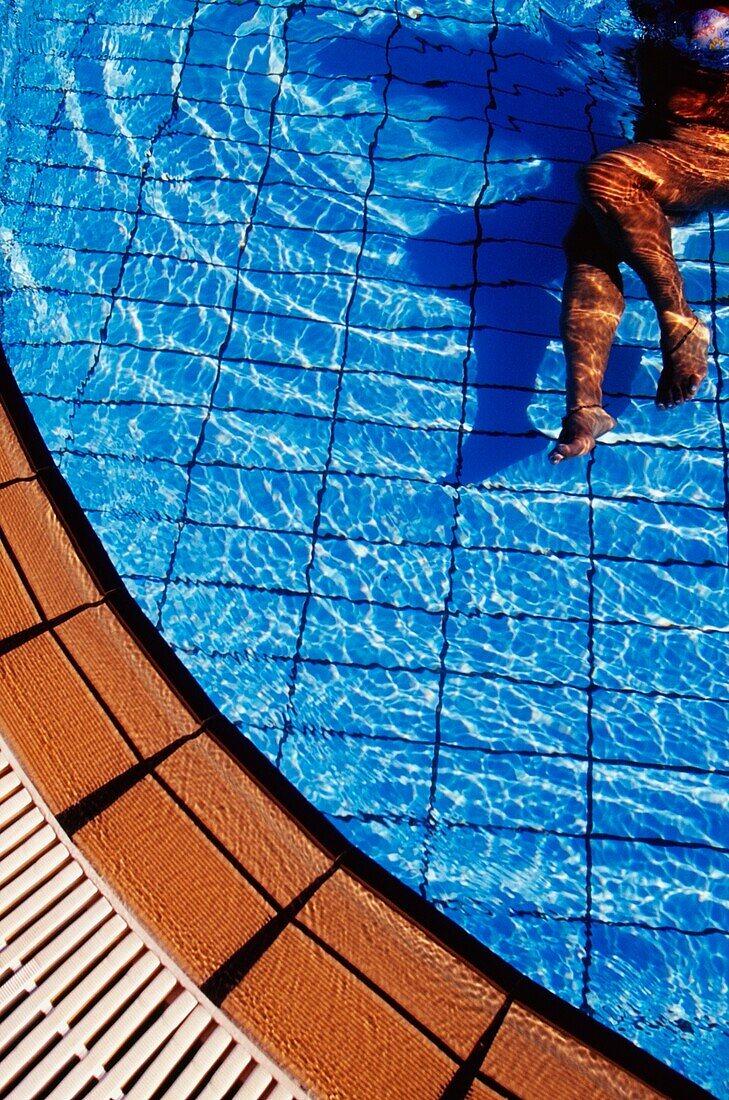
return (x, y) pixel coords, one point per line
(678, 165)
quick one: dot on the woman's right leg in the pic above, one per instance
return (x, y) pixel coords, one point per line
(592, 305)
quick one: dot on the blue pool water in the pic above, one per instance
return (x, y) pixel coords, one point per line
(281, 285)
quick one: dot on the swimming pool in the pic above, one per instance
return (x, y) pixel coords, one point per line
(282, 291)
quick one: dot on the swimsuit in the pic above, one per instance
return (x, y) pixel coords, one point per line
(704, 36)
(701, 34)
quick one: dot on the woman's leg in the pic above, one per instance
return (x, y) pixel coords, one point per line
(631, 193)
(592, 305)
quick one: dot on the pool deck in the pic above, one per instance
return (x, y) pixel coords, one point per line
(340, 975)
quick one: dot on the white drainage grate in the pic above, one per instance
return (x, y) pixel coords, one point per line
(88, 1005)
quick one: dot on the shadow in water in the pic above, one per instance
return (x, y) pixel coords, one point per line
(500, 95)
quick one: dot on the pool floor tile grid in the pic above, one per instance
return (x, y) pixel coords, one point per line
(317, 325)
(357, 990)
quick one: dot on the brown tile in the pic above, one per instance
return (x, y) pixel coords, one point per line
(181, 887)
(539, 1062)
(335, 1036)
(13, 462)
(244, 818)
(479, 1091)
(142, 701)
(438, 988)
(16, 607)
(62, 736)
(44, 550)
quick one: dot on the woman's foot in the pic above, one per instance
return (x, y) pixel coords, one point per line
(580, 430)
(685, 353)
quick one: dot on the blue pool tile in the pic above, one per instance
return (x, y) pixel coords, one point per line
(55, 322)
(374, 449)
(396, 846)
(417, 354)
(277, 248)
(496, 791)
(251, 686)
(632, 591)
(274, 440)
(660, 804)
(263, 559)
(136, 430)
(148, 594)
(639, 470)
(521, 873)
(204, 616)
(92, 477)
(199, 237)
(660, 729)
(659, 885)
(500, 716)
(285, 337)
(400, 576)
(54, 419)
(367, 702)
(669, 662)
(344, 177)
(417, 403)
(157, 376)
(649, 530)
(394, 511)
(60, 268)
(498, 647)
(353, 777)
(168, 279)
(539, 586)
(138, 546)
(540, 522)
(165, 326)
(276, 387)
(308, 296)
(368, 634)
(404, 309)
(270, 499)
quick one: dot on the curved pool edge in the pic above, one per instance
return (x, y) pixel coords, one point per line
(299, 937)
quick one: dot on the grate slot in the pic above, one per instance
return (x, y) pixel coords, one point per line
(180, 1043)
(38, 902)
(14, 833)
(209, 1054)
(108, 1044)
(15, 953)
(75, 1043)
(226, 1075)
(58, 1020)
(144, 1048)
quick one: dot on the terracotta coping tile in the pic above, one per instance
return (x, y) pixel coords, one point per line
(444, 993)
(539, 1062)
(64, 739)
(176, 882)
(45, 552)
(13, 462)
(141, 700)
(273, 847)
(333, 1033)
(479, 1091)
(16, 607)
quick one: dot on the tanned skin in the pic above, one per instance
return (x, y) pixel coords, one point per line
(630, 198)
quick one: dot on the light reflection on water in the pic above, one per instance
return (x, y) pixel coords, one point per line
(243, 327)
